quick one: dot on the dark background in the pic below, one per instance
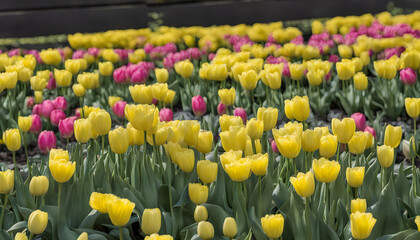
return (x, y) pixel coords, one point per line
(27, 18)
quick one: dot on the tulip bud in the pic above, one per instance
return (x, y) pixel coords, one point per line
(12, 139)
(100, 201)
(234, 139)
(60, 166)
(151, 221)
(7, 181)
(101, 122)
(345, 51)
(38, 83)
(184, 68)
(37, 109)
(200, 213)
(62, 78)
(358, 142)
(184, 158)
(65, 127)
(311, 140)
(169, 98)
(198, 193)
(143, 117)
(198, 105)
(60, 103)
(221, 109)
(227, 96)
(343, 129)
(360, 120)
(207, 171)
(300, 108)
(385, 69)
(385, 155)
(392, 136)
(408, 76)
(82, 130)
(296, 71)
(360, 81)
(255, 128)
(205, 230)
(118, 108)
(249, 80)
(304, 184)
(166, 115)
(230, 228)
(30, 101)
(38, 186)
(417, 221)
(159, 91)
(326, 171)
(289, 145)
(361, 224)
(355, 176)
(227, 121)
(79, 90)
(162, 75)
(273, 225)
(328, 146)
(56, 116)
(21, 236)
(240, 112)
(119, 140)
(112, 100)
(106, 68)
(204, 141)
(259, 163)
(47, 108)
(412, 106)
(358, 205)
(36, 124)
(274, 147)
(268, 116)
(24, 123)
(37, 222)
(345, 69)
(120, 211)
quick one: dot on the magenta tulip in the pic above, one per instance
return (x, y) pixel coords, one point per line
(56, 116)
(408, 76)
(198, 105)
(47, 108)
(221, 109)
(46, 141)
(65, 126)
(36, 126)
(166, 115)
(360, 120)
(241, 113)
(118, 108)
(60, 103)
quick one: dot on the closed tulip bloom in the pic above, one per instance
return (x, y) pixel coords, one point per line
(207, 171)
(357, 143)
(328, 146)
(358, 205)
(72, 65)
(21, 236)
(25, 123)
(248, 147)
(315, 77)
(50, 56)
(408, 76)
(38, 83)
(142, 94)
(273, 225)
(205, 230)
(79, 90)
(37, 222)
(227, 96)
(36, 124)
(101, 201)
(304, 184)
(120, 211)
(191, 129)
(62, 78)
(135, 137)
(230, 229)
(106, 68)
(7, 181)
(169, 98)
(82, 130)
(268, 116)
(417, 221)
(360, 81)
(343, 129)
(38, 95)
(326, 171)
(361, 224)
(238, 170)
(162, 75)
(38, 186)
(198, 105)
(288, 109)
(385, 69)
(392, 136)
(300, 108)
(345, 69)
(184, 158)
(240, 112)
(101, 122)
(62, 170)
(234, 139)
(271, 79)
(204, 142)
(198, 193)
(412, 106)
(311, 140)
(249, 80)
(324, 130)
(296, 71)
(385, 155)
(359, 120)
(156, 236)
(259, 163)
(88, 80)
(159, 91)
(119, 140)
(200, 213)
(255, 128)
(355, 176)
(289, 145)
(12, 140)
(184, 68)
(345, 51)
(56, 116)
(10, 79)
(160, 135)
(227, 121)
(143, 117)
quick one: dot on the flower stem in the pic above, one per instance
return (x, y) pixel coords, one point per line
(121, 233)
(254, 148)
(103, 145)
(307, 220)
(59, 197)
(14, 160)
(252, 100)
(31, 236)
(3, 210)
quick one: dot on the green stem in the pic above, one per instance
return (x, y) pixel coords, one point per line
(252, 100)
(254, 148)
(103, 145)
(162, 170)
(121, 233)
(260, 202)
(14, 160)
(59, 197)
(294, 167)
(3, 211)
(31, 236)
(307, 220)
(298, 88)
(27, 157)
(67, 143)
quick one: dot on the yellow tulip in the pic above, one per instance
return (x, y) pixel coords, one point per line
(268, 116)
(83, 130)
(271, 79)
(79, 90)
(198, 193)
(288, 109)
(12, 140)
(160, 135)
(227, 121)
(112, 100)
(229, 157)
(21, 235)
(62, 169)
(207, 171)
(358, 205)
(106, 68)
(296, 71)
(59, 154)
(249, 151)
(385, 69)
(255, 128)
(7, 181)
(50, 56)
(88, 80)
(110, 55)
(345, 69)
(385, 155)
(141, 94)
(162, 75)
(345, 51)
(184, 68)
(311, 140)
(38, 186)
(101, 201)
(205, 230)
(184, 158)
(159, 91)
(238, 170)
(191, 129)
(304, 184)
(227, 96)
(38, 96)
(83, 236)
(361, 224)
(259, 163)
(324, 130)
(217, 72)
(343, 129)
(119, 140)
(234, 139)
(273, 225)
(230, 229)
(62, 78)
(10, 79)
(143, 117)
(72, 65)
(315, 77)
(360, 81)
(289, 145)
(101, 122)
(411, 59)
(24, 123)
(38, 83)
(357, 143)
(37, 222)
(249, 80)
(169, 98)
(412, 106)
(204, 141)
(392, 136)
(300, 108)
(328, 146)
(325, 171)
(120, 211)
(200, 213)
(355, 176)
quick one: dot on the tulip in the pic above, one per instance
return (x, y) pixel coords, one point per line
(408, 76)
(184, 158)
(360, 81)
(159, 136)
(106, 68)
(79, 90)
(205, 230)
(345, 51)
(169, 98)
(135, 137)
(238, 170)
(385, 155)
(417, 221)
(36, 124)
(198, 105)
(304, 184)
(325, 171)
(166, 115)
(143, 117)
(159, 91)
(355, 176)
(240, 112)
(311, 140)
(184, 68)
(65, 127)
(82, 130)
(255, 128)
(361, 224)
(38, 83)
(358, 205)
(120, 211)
(62, 169)
(230, 228)
(37, 222)
(119, 140)
(268, 116)
(72, 65)
(12, 139)
(411, 59)
(38, 186)
(343, 129)
(249, 80)
(271, 79)
(63, 78)
(385, 69)
(162, 75)
(289, 145)
(38, 96)
(119, 75)
(274, 147)
(60, 103)
(112, 100)
(221, 109)
(204, 142)
(234, 139)
(412, 106)
(328, 146)
(296, 71)
(227, 96)
(392, 136)
(259, 163)
(101, 122)
(141, 94)
(21, 235)
(300, 108)
(47, 108)
(273, 225)
(7, 182)
(119, 109)
(359, 120)
(30, 101)
(227, 121)
(198, 193)
(24, 123)
(357, 143)
(56, 116)
(207, 171)
(345, 69)
(200, 213)
(100, 201)
(315, 77)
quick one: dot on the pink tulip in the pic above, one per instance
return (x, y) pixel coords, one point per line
(30, 102)
(60, 103)
(46, 141)
(36, 126)
(241, 113)
(221, 109)
(47, 108)
(56, 116)
(139, 76)
(360, 120)
(37, 109)
(333, 58)
(371, 130)
(118, 108)
(408, 76)
(77, 113)
(65, 126)
(198, 105)
(166, 115)
(274, 147)
(51, 83)
(119, 75)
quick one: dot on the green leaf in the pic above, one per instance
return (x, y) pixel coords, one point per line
(90, 219)
(18, 227)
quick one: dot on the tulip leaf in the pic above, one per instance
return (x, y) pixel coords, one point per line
(116, 233)
(280, 194)
(189, 231)
(399, 236)
(292, 211)
(23, 196)
(163, 196)
(90, 219)
(256, 227)
(261, 198)
(402, 185)
(216, 215)
(17, 227)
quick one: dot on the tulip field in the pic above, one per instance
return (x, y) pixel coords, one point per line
(224, 132)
